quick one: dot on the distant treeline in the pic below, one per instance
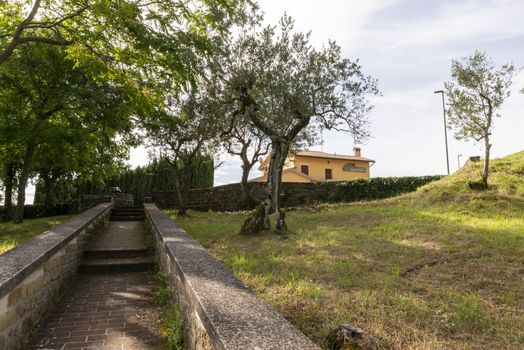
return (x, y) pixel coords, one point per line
(156, 176)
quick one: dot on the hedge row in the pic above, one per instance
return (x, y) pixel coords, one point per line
(39, 211)
(371, 189)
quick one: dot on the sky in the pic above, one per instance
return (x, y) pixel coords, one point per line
(408, 46)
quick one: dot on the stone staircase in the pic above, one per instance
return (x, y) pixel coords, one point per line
(121, 246)
(127, 214)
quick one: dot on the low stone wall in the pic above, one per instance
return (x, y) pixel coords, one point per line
(229, 197)
(32, 274)
(219, 311)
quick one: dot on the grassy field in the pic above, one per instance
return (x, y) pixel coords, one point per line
(12, 235)
(442, 268)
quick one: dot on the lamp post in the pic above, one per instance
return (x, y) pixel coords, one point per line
(458, 160)
(445, 127)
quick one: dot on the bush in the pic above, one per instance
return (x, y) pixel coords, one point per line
(370, 189)
(39, 211)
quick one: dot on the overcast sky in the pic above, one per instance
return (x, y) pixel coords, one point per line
(408, 46)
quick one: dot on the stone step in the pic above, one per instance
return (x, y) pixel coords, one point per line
(127, 214)
(127, 218)
(116, 264)
(127, 210)
(115, 253)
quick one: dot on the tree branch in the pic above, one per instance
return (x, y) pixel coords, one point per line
(15, 41)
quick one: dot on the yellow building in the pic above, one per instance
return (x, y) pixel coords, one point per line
(314, 166)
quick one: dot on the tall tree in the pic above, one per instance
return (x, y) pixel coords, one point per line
(42, 93)
(475, 95)
(285, 87)
(120, 33)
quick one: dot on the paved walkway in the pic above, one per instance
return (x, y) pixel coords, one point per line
(105, 310)
(120, 235)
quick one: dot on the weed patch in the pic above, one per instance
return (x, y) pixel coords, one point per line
(172, 328)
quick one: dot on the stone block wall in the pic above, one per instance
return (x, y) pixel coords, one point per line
(219, 311)
(33, 274)
(229, 197)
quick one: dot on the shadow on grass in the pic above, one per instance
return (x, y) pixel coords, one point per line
(408, 275)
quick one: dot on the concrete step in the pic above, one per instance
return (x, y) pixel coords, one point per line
(127, 210)
(116, 264)
(127, 214)
(127, 218)
(116, 253)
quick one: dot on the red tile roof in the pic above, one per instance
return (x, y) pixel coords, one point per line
(319, 154)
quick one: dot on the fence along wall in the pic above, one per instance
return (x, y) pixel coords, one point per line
(229, 197)
(32, 274)
(219, 311)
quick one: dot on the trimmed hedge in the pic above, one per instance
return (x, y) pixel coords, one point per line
(39, 211)
(370, 189)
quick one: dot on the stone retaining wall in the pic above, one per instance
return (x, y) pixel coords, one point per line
(219, 311)
(229, 197)
(32, 274)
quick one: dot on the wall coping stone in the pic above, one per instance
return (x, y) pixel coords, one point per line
(233, 316)
(18, 263)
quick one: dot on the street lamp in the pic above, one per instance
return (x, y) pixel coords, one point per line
(458, 160)
(445, 127)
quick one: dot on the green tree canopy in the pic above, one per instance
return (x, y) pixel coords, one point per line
(45, 100)
(287, 88)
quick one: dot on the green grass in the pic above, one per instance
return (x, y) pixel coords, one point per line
(172, 328)
(12, 235)
(442, 268)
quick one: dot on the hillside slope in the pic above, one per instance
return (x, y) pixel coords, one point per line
(506, 192)
(441, 268)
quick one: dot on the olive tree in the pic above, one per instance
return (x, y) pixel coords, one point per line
(475, 95)
(249, 144)
(181, 132)
(284, 86)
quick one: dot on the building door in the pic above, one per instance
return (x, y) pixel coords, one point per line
(329, 174)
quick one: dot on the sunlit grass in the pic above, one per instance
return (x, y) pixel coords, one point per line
(441, 268)
(12, 235)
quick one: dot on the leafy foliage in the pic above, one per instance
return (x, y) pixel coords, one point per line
(289, 91)
(158, 176)
(475, 95)
(371, 189)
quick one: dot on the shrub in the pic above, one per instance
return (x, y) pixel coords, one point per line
(370, 189)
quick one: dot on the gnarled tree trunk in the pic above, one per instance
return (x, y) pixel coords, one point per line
(246, 196)
(273, 203)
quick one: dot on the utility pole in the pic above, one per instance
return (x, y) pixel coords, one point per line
(445, 126)
(458, 160)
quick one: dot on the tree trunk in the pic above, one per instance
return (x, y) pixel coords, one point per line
(8, 190)
(246, 196)
(182, 210)
(279, 151)
(485, 170)
(22, 183)
(49, 200)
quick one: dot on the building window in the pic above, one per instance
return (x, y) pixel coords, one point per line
(329, 174)
(304, 169)
(353, 168)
